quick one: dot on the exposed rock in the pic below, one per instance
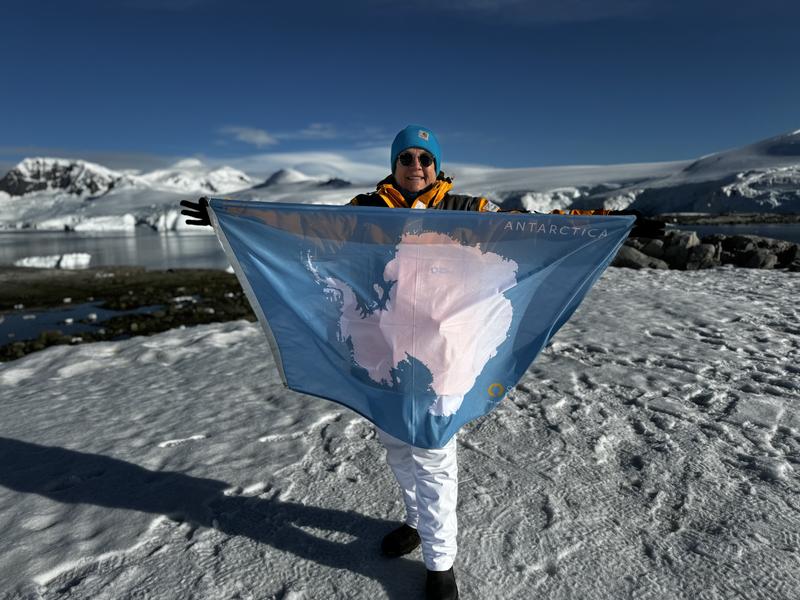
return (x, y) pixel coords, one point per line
(70, 176)
(684, 250)
(739, 243)
(789, 256)
(760, 258)
(634, 242)
(335, 183)
(704, 256)
(634, 259)
(654, 248)
(677, 247)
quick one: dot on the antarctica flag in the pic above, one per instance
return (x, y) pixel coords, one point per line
(419, 320)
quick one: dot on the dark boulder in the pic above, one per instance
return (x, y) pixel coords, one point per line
(760, 258)
(654, 248)
(634, 259)
(677, 247)
(704, 256)
(789, 255)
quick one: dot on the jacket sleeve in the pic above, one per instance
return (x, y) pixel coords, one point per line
(464, 202)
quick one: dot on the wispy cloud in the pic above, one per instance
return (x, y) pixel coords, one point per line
(261, 138)
(249, 135)
(315, 131)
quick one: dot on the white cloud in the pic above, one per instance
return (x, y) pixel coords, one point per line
(249, 135)
(313, 132)
(366, 165)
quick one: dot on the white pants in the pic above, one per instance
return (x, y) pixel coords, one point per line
(429, 482)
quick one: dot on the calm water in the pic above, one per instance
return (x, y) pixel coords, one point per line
(198, 250)
(70, 320)
(148, 249)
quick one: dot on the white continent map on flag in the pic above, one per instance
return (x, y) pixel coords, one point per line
(446, 308)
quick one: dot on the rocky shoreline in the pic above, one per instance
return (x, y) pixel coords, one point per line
(185, 297)
(172, 298)
(685, 250)
(729, 218)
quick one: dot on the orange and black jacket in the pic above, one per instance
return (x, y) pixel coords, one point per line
(437, 196)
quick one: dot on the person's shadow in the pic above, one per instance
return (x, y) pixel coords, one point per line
(76, 477)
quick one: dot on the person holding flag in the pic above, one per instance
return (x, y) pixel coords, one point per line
(427, 473)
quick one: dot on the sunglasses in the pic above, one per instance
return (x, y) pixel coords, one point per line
(407, 159)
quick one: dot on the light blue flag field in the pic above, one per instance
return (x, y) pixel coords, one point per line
(419, 320)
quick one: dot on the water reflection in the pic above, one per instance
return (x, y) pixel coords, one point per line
(71, 320)
(202, 250)
(144, 248)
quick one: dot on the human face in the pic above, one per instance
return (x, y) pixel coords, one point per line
(414, 177)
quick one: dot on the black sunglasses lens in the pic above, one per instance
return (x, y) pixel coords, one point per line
(406, 159)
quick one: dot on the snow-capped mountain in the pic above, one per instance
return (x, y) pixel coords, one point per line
(62, 175)
(46, 193)
(284, 176)
(760, 177)
(82, 178)
(192, 176)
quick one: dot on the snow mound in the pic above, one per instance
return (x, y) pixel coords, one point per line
(74, 260)
(767, 183)
(545, 202)
(126, 222)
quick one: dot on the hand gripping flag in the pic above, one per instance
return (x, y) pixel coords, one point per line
(419, 320)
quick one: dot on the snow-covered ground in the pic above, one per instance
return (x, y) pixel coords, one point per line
(651, 452)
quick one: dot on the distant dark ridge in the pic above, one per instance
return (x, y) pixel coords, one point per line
(335, 183)
(281, 176)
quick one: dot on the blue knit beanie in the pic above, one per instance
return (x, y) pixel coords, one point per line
(415, 136)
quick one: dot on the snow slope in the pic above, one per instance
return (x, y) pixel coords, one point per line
(760, 177)
(651, 452)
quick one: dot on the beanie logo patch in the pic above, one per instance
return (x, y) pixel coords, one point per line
(423, 135)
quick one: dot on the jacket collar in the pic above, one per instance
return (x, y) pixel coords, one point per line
(391, 194)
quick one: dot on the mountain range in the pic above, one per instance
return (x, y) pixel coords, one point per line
(72, 194)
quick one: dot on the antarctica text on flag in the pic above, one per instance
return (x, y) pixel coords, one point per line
(418, 320)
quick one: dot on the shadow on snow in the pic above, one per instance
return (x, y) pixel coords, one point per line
(73, 477)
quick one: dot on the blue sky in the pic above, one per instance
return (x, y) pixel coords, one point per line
(504, 83)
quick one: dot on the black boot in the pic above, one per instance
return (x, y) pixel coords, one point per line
(400, 541)
(441, 585)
